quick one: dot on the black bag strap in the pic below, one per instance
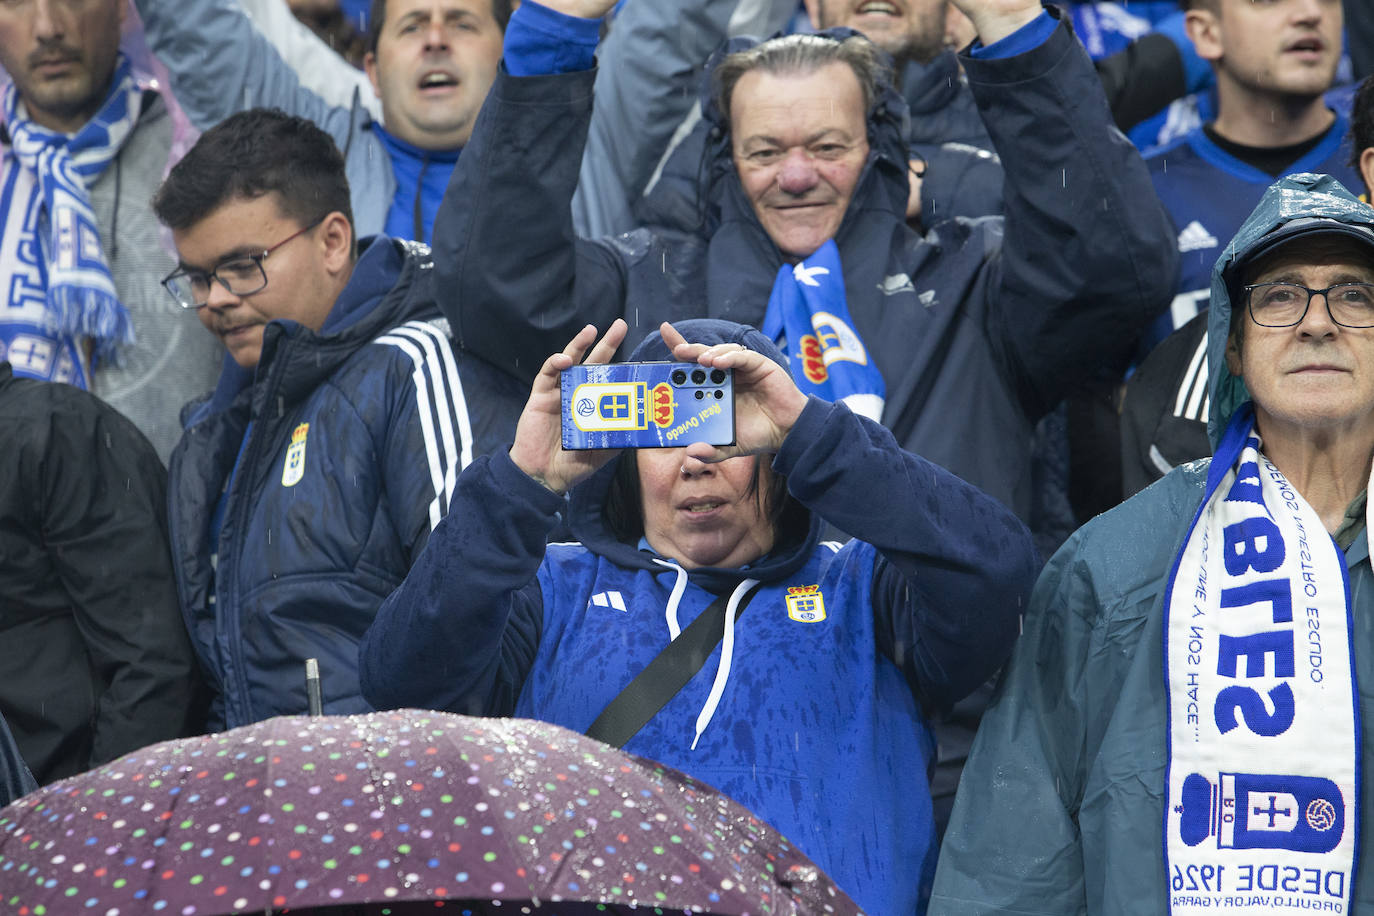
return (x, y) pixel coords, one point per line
(667, 674)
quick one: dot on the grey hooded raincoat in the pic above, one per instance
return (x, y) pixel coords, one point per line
(1061, 807)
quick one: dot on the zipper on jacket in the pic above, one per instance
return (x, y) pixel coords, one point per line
(228, 618)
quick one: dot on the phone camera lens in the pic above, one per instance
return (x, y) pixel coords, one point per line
(719, 394)
(679, 377)
(717, 376)
(698, 376)
(700, 394)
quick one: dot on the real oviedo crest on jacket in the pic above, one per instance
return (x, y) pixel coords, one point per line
(805, 603)
(294, 468)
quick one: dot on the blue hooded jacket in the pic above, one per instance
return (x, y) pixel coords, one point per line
(816, 722)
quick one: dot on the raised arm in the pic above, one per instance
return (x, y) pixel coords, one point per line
(319, 67)
(462, 630)
(513, 278)
(649, 68)
(220, 63)
(1088, 253)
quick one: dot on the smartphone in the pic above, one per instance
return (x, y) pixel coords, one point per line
(647, 405)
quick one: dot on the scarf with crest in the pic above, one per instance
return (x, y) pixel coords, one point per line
(1262, 812)
(808, 317)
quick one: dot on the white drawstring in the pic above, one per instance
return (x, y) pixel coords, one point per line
(727, 651)
(675, 598)
(727, 646)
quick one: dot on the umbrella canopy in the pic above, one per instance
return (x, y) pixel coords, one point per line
(300, 812)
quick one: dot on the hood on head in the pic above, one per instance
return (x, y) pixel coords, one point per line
(709, 331)
(1297, 205)
(586, 501)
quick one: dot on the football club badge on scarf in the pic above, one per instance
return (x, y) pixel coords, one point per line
(1262, 779)
(808, 316)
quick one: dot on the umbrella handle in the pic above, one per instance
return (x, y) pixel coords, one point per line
(312, 687)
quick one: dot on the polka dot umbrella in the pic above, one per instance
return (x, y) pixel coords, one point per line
(484, 815)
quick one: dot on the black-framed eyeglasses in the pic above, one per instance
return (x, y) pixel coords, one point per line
(1283, 305)
(241, 276)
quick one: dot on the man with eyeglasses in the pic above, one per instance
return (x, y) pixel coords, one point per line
(1196, 664)
(309, 480)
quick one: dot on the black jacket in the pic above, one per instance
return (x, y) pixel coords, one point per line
(94, 659)
(15, 778)
(1164, 412)
(978, 326)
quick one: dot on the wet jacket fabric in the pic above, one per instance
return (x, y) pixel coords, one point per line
(15, 778)
(962, 173)
(336, 459)
(987, 321)
(821, 728)
(1061, 808)
(94, 660)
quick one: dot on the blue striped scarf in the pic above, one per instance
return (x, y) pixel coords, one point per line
(59, 287)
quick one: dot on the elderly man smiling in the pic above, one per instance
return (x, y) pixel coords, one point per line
(1195, 663)
(957, 340)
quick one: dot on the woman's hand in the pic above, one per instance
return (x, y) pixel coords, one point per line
(767, 401)
(538, 448)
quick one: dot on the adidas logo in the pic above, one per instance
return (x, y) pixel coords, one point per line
(608, 599)
(1194, 237)
(896, 283)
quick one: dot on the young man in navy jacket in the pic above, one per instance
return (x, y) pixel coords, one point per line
(308, 481)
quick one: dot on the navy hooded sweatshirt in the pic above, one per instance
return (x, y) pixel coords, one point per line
(817, 720)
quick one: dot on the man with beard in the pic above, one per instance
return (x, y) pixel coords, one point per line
(83, 145)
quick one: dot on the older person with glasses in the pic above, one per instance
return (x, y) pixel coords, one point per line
(1196, 663)
(1283, 305)
(307, 483)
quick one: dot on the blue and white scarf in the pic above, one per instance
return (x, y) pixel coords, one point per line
(59, 285)
(808, 317)
(1262, 810)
